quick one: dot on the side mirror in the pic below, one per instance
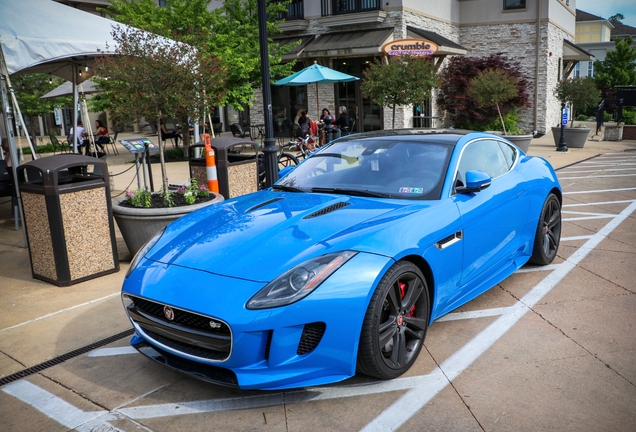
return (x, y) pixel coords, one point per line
(475, 182)
(282, 173)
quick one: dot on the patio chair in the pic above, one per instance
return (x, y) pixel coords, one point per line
(238, 132)
(62, 147)
(113, 143)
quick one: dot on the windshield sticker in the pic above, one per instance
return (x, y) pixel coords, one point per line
(375, 165)
(411, 190)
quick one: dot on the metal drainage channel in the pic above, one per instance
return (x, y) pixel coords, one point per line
(64, 357)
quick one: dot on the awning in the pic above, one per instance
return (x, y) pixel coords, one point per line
(298, 49)
(572, 54)
(361, 42)
(446, 46)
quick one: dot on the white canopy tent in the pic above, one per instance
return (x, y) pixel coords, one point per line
(43, 36)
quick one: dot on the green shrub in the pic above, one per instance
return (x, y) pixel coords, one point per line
(582, 117)
(47, 148)
(629, 116)
(493, 124)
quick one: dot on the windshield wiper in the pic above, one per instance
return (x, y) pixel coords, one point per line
(353, 192)
(286, 188)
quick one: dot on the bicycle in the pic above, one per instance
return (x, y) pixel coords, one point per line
(284, 160)
(305, 146)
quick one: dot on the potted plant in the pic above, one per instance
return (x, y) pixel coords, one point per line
(141, 214)
(499, 89)
(581, 93)
(493, 87)
(153, 76)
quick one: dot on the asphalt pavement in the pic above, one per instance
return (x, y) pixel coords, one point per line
(558, 353)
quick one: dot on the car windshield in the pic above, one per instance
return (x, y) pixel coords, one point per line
(390, 167)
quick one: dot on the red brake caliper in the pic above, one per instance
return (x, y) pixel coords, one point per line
(402, 288)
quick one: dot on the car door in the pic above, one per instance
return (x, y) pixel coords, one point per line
(493, 217)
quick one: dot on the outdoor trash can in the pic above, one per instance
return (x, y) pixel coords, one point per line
(68, 218)
(236, 165)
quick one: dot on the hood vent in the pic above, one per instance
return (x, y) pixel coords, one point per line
(328, 209)
(263, 204)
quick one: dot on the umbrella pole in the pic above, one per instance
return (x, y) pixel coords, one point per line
(317, 104)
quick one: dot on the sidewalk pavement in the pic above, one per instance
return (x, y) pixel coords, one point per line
(41, 321)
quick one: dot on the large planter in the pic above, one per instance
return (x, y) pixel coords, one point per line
(138, 225)
(574, 137)
(613, 133)
(521, 141)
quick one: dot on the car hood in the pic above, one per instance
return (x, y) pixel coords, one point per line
(259, 236)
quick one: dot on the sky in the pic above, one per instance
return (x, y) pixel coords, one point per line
(607, 8)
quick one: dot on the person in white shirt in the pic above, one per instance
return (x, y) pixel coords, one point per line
(81, 142)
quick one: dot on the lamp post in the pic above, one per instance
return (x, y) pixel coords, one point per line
(269, 149)
(564, 119)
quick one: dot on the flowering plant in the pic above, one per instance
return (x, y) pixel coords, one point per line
(184, 195)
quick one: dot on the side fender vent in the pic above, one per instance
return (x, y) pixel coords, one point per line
(309, 340)
(450, 240)
(327, 210)
(263, 204)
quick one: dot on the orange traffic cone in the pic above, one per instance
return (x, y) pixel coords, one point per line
(210, 165)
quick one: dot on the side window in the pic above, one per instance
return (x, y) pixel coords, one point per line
(485, 156)
(510, 154)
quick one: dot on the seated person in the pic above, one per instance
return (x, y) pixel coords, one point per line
(82, 143)
(343, 119)
(165, 134)
(101, 135)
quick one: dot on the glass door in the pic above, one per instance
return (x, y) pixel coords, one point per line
(367, 114)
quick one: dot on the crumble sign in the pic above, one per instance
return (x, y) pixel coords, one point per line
(412, 47)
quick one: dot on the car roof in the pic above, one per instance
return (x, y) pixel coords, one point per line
(442, 136)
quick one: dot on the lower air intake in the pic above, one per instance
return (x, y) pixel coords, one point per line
(309, 340)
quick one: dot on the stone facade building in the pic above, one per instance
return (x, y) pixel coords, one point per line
(348, 35)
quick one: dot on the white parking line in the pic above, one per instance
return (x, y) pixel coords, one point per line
(598, 203)
(59, 410)
(59, 312)
(575, 238)
(599, 191)
(597, 170)
(107, 352)
(596, 176)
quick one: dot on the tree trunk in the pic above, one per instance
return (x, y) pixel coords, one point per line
(501, 118)
(162, 159)
(393, 117)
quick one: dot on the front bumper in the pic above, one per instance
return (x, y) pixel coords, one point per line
(311, 342)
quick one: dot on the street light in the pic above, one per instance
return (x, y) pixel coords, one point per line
(269, 149)
(564, 119)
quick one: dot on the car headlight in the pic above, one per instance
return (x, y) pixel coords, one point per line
(143, 251)
(299, 281)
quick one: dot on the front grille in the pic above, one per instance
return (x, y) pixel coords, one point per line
(186, 348)
(181, 317)
(309, 340)
(188, 333)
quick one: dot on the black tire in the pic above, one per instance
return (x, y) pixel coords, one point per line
(548, 234)
(397, 316)
(286, 160)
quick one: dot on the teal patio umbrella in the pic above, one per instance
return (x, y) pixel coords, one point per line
(316, 74)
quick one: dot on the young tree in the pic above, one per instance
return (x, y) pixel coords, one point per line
(401, 81)
(493, 87)
(152, 76)
(29, 89)
(618, 68)
(581, 92)
(463, 110)
(230, 32)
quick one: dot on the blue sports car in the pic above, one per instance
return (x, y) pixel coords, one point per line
(343, 263)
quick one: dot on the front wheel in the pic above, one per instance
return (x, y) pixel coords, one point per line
(395, 323)
(548, 234)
